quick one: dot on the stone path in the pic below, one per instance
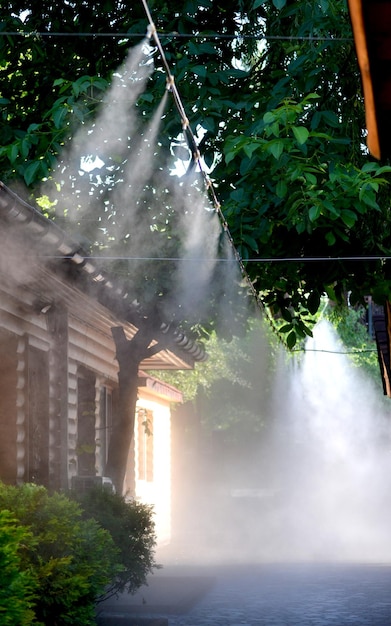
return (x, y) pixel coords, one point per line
(264, 595)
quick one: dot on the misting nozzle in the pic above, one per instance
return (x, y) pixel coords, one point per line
(170, 82)
(151, 30)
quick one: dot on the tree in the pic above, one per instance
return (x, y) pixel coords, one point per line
(296, 181)
(291, 116)
(130, 353)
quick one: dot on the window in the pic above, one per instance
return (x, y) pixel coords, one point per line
(145, 444)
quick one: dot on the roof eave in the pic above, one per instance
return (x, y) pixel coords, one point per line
(182, 353)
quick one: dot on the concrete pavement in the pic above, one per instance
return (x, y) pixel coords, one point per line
(305, 594)
(169, 591)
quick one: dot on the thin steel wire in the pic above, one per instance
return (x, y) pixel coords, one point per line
(175, 35)
(336, 259)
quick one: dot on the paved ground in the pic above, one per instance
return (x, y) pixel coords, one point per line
(260, 595)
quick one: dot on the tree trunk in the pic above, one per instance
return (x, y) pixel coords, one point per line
(129, 354)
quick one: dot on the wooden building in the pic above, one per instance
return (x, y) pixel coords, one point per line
(59, 374)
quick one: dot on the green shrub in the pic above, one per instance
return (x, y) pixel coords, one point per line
(132, 528)
(16, 586)
(72, 560)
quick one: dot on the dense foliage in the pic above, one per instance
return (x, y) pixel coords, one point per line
(59, 557)
(132, 529)
(232, 362)
(352, 328)
(305, 186)
(17, 585)
(69, 561)
(274, 85)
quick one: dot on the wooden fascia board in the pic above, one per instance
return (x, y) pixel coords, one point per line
(360, 39)
(159, 388)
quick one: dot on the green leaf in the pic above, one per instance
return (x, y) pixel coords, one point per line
(330, 238)
(250, 241)
(59, 116)
(301, 134)
(274, 129)
(249, 148)
(146, 97)
(33, 127)
(201, 48)
(229, 156)
(311, 178)
(100, 83)
(14, 152)
(279, 4)
(348, 217)
(291, 340)
(370, 166)
(385, 169)
(331, 208)
(286, 314)
(281, 189)
(276, 147)
(81, 85)
(199, 70)
(368, 196)
(238, 194)
(300, 330)
(308, 331)
(324, 4)
(30, 172)
(25, 147)
(331, 118)
(313, 301)
(243, 252)
(209, 158)
(314, 212)
(269, 117)
(286, 328)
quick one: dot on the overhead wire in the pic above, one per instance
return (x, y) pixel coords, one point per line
(224, 260)
(360, 351)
